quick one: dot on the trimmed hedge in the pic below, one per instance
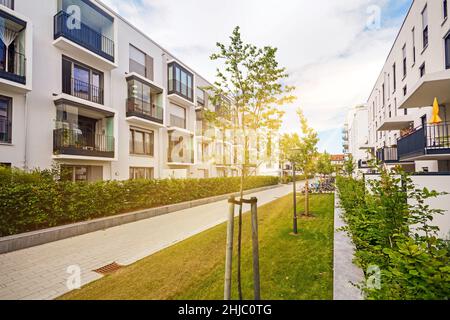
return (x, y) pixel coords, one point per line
(34, 201)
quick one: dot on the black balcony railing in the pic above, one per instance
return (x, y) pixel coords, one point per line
(428, 140)
(74, 142)
(181, 89)
(438, 138)
(83, 90)
(143, 109)
(387, 155)
(84, 36)
(15, 68)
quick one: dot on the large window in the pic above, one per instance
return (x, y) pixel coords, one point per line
(181, 81)
(425, 26)
(447, 51)
(141, 63)
(177, 116)
(5, 119)
(137, 173)
(144, 101)
(141, 142)
(414, 45)
(82, 81)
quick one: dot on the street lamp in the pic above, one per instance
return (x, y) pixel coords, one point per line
(294, 180)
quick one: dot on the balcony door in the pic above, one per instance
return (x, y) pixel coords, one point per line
(82, 81)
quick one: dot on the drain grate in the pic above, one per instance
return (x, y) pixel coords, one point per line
(108, 269)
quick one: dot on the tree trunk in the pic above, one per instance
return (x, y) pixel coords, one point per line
(307, 196)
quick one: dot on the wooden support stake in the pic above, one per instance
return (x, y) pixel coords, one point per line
(256, 275)
(229, 252)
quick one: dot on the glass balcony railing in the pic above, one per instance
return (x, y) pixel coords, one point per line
(83, 35)
(13, 68)
(75, 142)
(178, 122)
(144, 109)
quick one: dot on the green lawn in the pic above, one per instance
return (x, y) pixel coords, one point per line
(292, 268)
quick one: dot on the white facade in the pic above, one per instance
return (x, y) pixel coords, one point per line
(416, 71)
(356, 136)
(98, 96)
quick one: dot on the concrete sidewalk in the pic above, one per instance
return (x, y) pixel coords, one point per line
(345, 272)
(41, 272)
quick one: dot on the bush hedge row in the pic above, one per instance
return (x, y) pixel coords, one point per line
(33, 201)
(413, 263)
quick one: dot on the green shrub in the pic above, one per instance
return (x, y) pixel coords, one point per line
(33, 201)
(414, 262)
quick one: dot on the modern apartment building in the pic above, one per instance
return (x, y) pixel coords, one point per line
(417, 70)
(83, 89)
(356, 137)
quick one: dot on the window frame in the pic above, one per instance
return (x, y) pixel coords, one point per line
(145, 144)
(9, 120)
(425, 27)
(149, 173)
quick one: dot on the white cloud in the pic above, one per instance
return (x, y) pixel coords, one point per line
(331, 56)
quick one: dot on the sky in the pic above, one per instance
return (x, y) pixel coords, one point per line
(333, 50)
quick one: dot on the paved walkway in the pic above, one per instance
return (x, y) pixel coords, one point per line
(41, 272)
(345, 272)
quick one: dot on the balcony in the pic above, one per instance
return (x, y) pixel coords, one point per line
(144, 110)
(387, 155)
(83, 90)
(180, 84)
(78, 143)
(93, 33)
(431, 142)
(15, 45)
(181, 149)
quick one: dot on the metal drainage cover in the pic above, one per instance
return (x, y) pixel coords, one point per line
(108, 269)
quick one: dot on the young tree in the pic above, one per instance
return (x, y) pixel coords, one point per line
(349, 166)
(324, 165)
(248, 89)
(302, 152)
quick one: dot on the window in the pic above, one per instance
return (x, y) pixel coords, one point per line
(405, 90)
(5, 164)
(141, 63)
(405, 112)
(141, 173)
(81, 173)
(414, 45)
(447, 51)
(422, 70)
(425, 26)
(201, 97)
(405, 70)
(445, 8)
(144, 101)
(5, 119)
(177, 116)
(141, 142)
(8, 3)
(181, 81)
(81, 81)
(384, 94)
(394, 76)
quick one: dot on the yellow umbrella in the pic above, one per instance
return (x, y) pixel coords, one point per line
(435, 119)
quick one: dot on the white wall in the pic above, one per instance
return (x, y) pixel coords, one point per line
(439, 183)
